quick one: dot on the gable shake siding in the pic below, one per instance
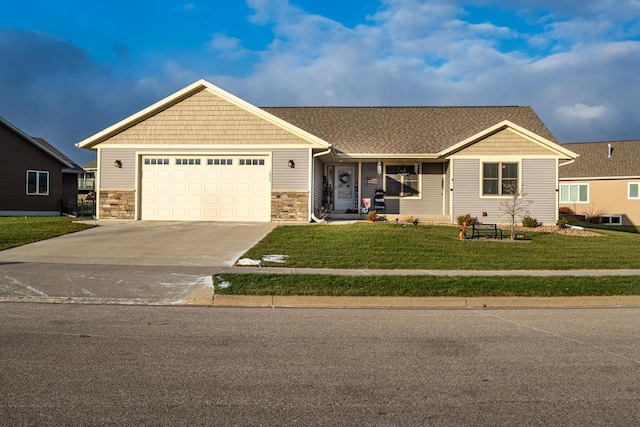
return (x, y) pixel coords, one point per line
(505, 142)
(203, 118)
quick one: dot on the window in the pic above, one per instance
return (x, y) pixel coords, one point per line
(156, 161)
(217, 162)
(499, 179)
(38, 183)
(574, 193)
(611, 219)
(187, 161)
(402, 180)
(634, 190)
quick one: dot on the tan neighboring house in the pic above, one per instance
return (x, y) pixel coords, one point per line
(203, 154)
(604, 180)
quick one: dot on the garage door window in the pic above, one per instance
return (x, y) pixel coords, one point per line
(156, 161)
(187, 161)
(220, 162)
(251, 162)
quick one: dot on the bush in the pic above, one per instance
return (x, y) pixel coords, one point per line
(466, 218)
(372, 216)
(529, 222)
(562, 222)
(566, 210)
(409, 219)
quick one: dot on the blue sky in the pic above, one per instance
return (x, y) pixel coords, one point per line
(70, 68)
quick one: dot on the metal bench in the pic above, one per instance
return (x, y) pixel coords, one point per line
(486, 230)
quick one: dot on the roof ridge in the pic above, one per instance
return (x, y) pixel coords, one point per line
(399, 106)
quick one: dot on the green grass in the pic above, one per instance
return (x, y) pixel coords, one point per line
(397, 246)
(421, 286)
(17, 231)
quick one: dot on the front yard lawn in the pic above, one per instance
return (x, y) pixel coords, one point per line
(398, 246)
(17, 231)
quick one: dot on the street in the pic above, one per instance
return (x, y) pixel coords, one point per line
(134, 365)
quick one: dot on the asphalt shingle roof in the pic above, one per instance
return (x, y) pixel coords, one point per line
(594, 162)
(54, 150)
(400, 130)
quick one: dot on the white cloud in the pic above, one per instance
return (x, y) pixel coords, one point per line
(582, 112)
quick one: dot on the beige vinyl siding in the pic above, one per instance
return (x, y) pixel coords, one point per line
(113, 178)
(505, 142)
(285, 178)
(204, 118)
(609, 196)
(539, 185)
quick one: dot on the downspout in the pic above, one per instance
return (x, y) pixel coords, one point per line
(312, 214)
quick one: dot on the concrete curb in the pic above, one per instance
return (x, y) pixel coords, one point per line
(424, 302)
(108, 301)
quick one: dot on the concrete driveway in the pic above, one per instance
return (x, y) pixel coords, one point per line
(136, 262)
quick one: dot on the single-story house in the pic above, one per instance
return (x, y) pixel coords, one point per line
(37, 179)
(604, 181)
(204, 154)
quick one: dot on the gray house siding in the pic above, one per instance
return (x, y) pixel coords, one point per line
(290, 179)
(539, 184)
(367, 190)
(113, 178)
(447, 188)
(318, 175)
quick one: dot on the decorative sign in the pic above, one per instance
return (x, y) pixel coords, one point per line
(372, 180)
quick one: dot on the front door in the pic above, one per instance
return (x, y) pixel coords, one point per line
(344, 185)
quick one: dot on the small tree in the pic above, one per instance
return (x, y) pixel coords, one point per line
(515, 207)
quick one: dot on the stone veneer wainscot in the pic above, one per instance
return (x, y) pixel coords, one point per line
(289, 206)
(118, 204)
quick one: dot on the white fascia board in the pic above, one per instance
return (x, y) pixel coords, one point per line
(508, 124)
(184, 93)
(36, 143)
(599, 178)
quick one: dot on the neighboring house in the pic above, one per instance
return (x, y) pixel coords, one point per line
(37, 179)
(204, 154)
(604, 181)
(87, 180)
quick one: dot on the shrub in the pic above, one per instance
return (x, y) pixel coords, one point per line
(466, 218)
(409, 219)
(529, 222)
(562, 222)
(372, 216)
(566, 210)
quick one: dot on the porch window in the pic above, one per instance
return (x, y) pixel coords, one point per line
(499, 179)
(38, 183)
(402, 180)
(574, 193)
(634, 190)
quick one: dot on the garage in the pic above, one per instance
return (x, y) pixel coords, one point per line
(205, 188)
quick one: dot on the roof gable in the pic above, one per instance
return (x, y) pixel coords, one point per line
(594, 161)
(189, 121)
(41, 144)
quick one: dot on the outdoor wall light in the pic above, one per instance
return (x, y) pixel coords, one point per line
(379, 169)
(117, 164)
(292, 164)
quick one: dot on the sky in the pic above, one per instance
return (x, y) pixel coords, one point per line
(70, 68)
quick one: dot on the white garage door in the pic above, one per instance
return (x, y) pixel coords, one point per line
(205, 188)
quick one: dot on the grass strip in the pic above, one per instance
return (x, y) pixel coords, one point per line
(423, 286)
(17, 231)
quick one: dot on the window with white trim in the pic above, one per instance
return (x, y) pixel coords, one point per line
(37, 183)
(402, 180)
(574, 193)
(611, 219)
(499, 179)
(633, 190)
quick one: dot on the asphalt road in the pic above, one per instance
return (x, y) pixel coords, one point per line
(136, 365)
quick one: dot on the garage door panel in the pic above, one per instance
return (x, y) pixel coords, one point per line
(214, 188)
